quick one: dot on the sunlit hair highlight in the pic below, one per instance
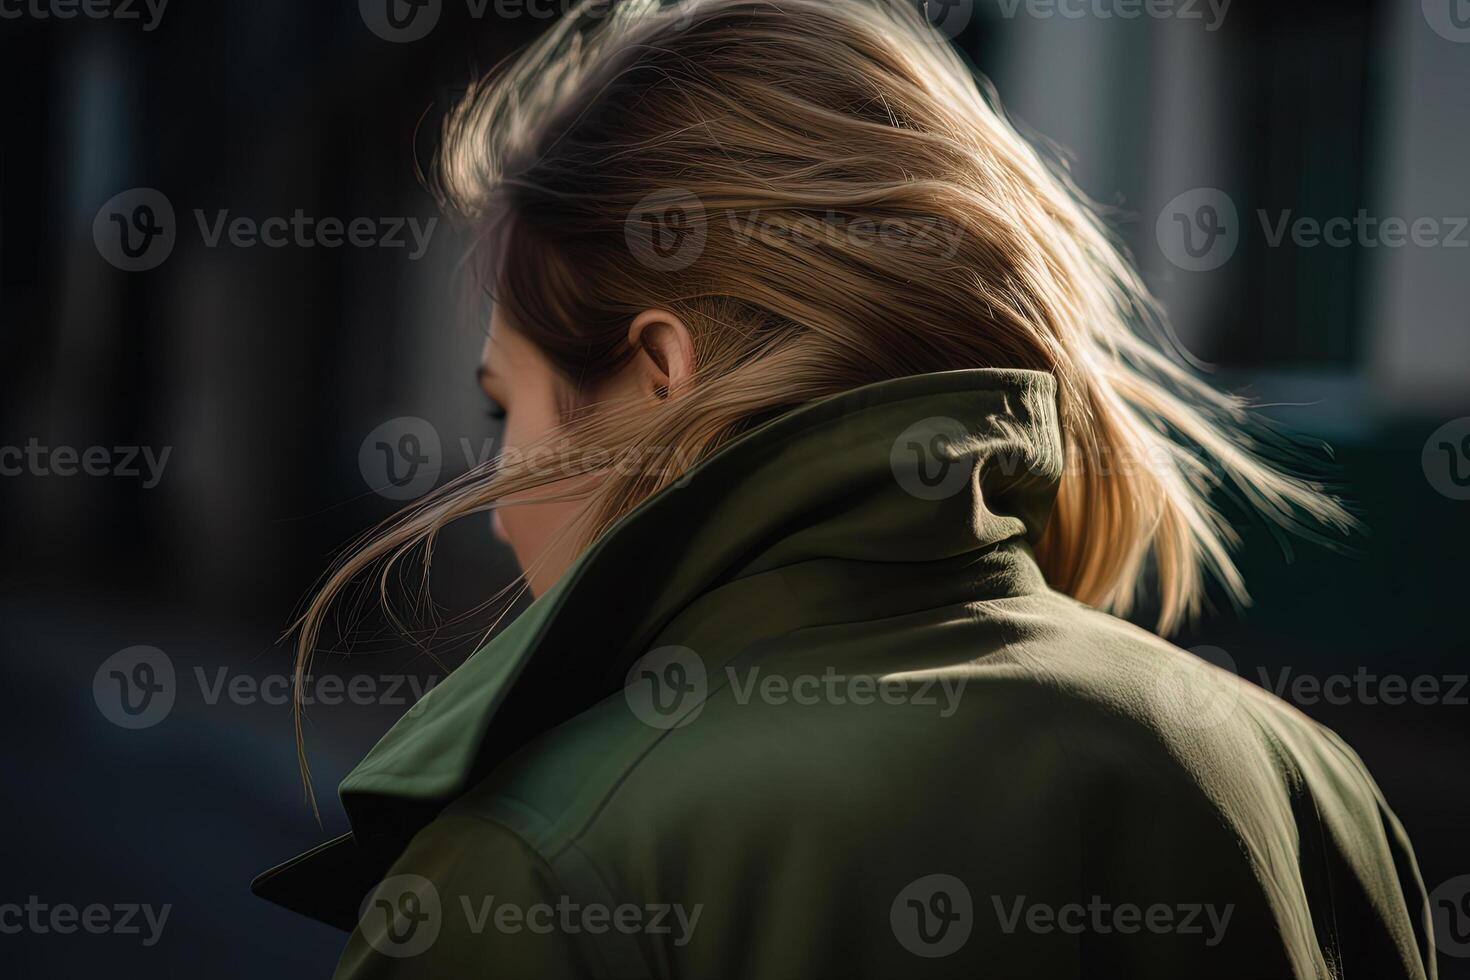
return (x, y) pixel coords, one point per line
(777, 117)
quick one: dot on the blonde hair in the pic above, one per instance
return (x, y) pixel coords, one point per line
(791, 131)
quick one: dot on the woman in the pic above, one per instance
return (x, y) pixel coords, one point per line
(833, 436)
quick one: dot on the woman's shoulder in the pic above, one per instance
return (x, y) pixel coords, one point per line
(1035, 753)
(1036, 692)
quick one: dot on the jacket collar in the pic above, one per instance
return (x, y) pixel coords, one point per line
(919, 469)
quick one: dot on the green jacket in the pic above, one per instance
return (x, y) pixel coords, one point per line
(814, 712)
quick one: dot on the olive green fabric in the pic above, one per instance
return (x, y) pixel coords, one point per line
(813, 712)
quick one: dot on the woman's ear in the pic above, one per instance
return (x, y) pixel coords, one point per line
(665, 352)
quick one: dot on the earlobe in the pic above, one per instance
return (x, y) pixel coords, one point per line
(666, 351)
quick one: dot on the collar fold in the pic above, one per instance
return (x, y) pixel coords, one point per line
(924, 469)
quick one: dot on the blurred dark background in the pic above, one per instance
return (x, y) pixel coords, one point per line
(1210, 133)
